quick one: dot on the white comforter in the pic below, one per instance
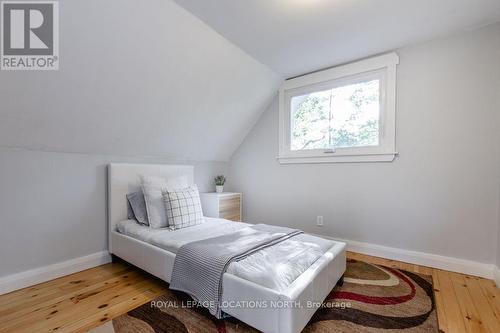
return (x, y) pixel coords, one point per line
(275, 267)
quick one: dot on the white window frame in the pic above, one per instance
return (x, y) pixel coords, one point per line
(382, 68)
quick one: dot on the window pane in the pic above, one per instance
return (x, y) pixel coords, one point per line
(355, 116)
(342, 117)
(310, 121)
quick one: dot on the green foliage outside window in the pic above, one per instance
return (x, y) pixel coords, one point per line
(346, 116)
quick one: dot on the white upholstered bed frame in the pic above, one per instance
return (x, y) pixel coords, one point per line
(309, 288)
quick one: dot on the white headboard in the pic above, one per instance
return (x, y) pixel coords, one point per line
(124, 179)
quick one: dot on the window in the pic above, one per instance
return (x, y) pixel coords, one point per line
(344, 114)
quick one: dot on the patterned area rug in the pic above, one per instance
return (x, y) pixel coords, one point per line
(373, 299)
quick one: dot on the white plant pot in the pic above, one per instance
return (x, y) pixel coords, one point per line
(219, 189)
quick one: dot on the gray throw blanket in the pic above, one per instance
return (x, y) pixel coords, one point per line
(199, 266)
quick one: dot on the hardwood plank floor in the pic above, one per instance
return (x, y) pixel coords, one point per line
(84, 300)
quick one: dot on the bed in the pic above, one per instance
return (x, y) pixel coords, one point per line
(299, 300)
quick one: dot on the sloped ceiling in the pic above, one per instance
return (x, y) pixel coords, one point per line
(299, 36)
(136, 78)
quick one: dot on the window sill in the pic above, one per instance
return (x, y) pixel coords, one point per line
(361, 158)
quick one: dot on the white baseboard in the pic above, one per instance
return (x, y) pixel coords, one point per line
(496, 275)
(38, 275)
(463, 266)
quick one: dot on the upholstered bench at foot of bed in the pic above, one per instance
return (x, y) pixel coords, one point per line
(290, 310)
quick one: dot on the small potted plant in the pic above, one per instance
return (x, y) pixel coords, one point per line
(219, 183)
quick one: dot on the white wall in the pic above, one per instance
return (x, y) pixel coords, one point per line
(53, 205)
(498, 243)
(136, 79)
(497, 268)
(440, 196)
(498, 138)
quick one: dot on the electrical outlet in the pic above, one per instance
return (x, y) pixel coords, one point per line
(319, 221)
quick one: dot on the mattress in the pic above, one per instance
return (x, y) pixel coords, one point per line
(275, 267)
(172, 240)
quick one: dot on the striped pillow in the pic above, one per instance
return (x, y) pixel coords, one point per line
(183, 207)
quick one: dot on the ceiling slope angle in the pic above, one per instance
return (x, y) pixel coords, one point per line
(295, 37)
(163, 84)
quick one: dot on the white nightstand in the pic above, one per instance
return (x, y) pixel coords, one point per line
(226, 205)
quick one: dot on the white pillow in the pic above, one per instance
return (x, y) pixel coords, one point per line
(152, 188)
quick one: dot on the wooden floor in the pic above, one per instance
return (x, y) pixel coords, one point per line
(81, 301)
